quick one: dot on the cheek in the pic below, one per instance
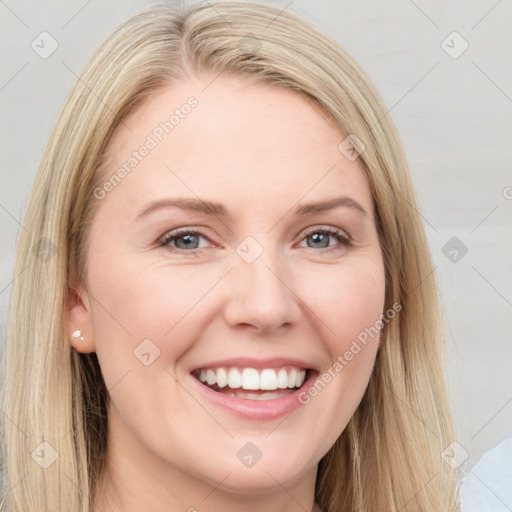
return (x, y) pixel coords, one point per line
(347, 301)
(135, 303)
(348, 305)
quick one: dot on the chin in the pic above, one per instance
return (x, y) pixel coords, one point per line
(260, 476)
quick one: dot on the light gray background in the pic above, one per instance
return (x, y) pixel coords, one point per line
(454, 116)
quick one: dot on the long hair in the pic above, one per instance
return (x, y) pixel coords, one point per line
(54, 400)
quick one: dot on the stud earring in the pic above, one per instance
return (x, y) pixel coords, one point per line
(78, 334)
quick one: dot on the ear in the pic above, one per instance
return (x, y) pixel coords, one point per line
(77, 316)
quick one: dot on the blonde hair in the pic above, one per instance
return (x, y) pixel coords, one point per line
(389, 456)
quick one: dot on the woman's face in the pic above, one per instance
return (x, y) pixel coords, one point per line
(247, 284)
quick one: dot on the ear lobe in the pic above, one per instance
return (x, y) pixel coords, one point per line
(77, 316)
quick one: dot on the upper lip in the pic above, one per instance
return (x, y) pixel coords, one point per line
(248, 362)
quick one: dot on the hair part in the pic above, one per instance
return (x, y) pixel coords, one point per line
(389, 455)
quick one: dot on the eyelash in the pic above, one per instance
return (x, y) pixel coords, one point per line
(173, 235)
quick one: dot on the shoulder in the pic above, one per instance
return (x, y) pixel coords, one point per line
(487, 486)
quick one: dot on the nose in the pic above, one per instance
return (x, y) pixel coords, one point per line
(261, 296)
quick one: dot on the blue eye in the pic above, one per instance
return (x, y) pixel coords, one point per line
(188, 241)
(320, 239)
(184, 240)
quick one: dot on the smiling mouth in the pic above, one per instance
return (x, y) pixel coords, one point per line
(251, 383)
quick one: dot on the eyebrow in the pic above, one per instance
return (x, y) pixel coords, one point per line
(219, 210)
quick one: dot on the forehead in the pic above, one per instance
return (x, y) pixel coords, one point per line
(225, 139)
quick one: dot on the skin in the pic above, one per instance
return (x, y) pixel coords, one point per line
(261, 150)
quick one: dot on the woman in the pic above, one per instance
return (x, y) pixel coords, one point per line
(225, 297)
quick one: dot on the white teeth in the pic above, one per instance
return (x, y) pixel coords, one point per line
(282, 379)
(211, 377)
(292, 377)
(268, 380)
(269, 395)
(222, 378)
(234, 378)
(251, 379)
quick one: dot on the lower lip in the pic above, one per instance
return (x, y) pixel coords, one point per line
(255, 409)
